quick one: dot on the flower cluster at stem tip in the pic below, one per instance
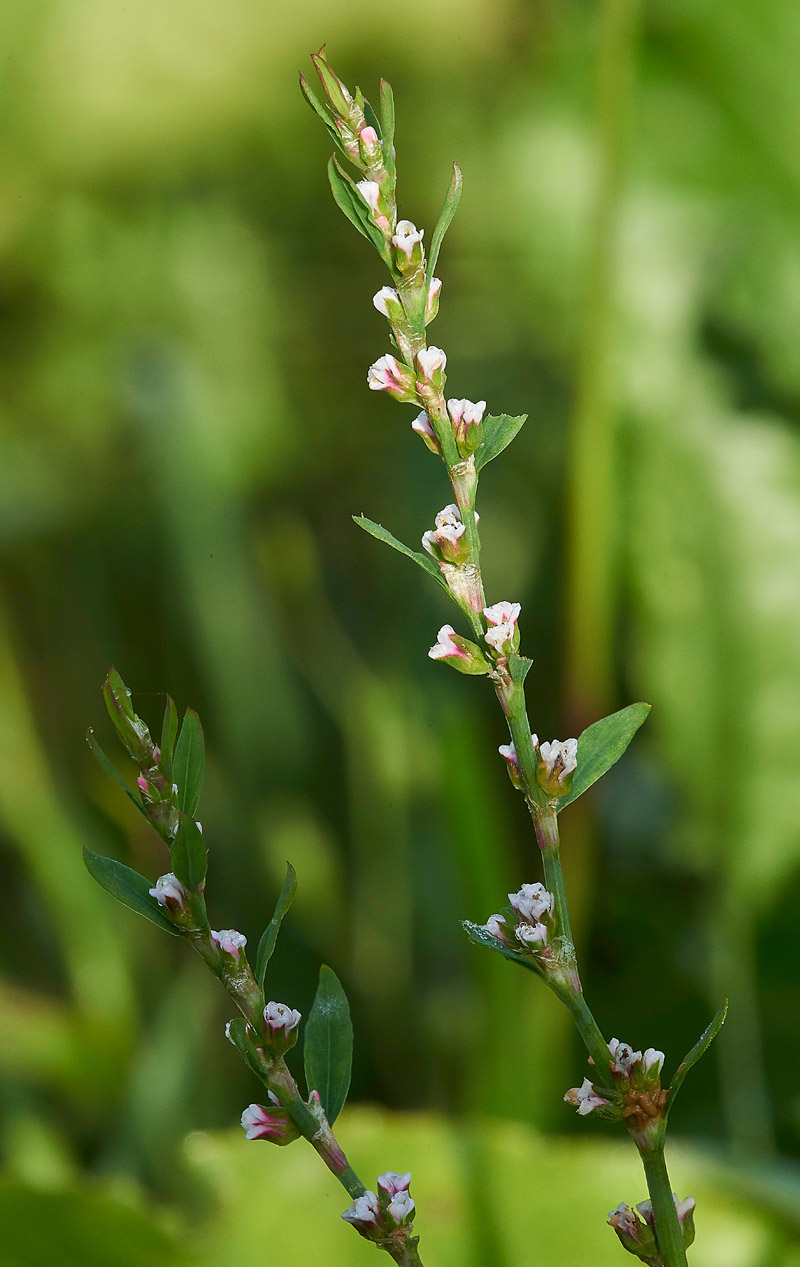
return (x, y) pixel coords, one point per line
(629, 1089)
(378, 1215)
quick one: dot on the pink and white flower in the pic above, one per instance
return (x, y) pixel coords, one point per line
(497, 927)
(532, 936)
(170, 893)
(401, 1209)
(370, 141)
(370, 191)
(391, 1182)
(459, 652)
(466, 417)
(270, 1123)
(388, 375)
(431, 363)
(364, 1214)
(623, 1057)
(432, 300)
(446, 542)
(559, 759)
(502, 613)
(502, 634)
(407, 237)
(585, 1098)
(387, 301)
(532, 902)
(229, 941)
(422, 426)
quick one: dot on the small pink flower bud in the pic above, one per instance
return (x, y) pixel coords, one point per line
(229, 941)
(387, 301)
(281, 1023)
(170, 893)
(498, 928)
(365, 1216)
(466, 418)
(502, 613)
(391, 1182)
(585, 1098)
(431, 363)
(558, 763)
(458, 652)
(388, 375)
(370, 191)
(432, 300)
(532, 903)
(422, 426)
(509, 754)
(407, 243)
(370, 143)
(273, 1123)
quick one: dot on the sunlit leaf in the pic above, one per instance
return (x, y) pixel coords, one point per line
(382, 534)
(601, 745)
(498, 432)
(452, 199)
(128, 887)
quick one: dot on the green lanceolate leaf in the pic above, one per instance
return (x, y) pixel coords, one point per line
(691, 1058)
(321, 112)
(189, 858)
(169, 731)
(128, 887)
(113, 773)
(498, 432)
(328, 1047)
(238, 1033)
(349, 200)
(601, 746)
(382, 534)
(189, 762)
(481, 937)
(131, 729)
(449, 209)
(270, 935)
(387, 126)
(519, 667)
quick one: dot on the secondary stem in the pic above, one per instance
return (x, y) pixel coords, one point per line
(668, 1230)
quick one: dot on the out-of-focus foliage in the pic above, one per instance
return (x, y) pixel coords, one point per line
(185, 431)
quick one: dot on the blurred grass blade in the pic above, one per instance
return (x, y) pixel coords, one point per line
(449, 209)
(498, 432)
(328, 1046)
(700, 1048)
(169, 731)
(382, 534)
(189, 858)
(601, 745)
(128, 887)
(111, 770)
(270, 935)
(189, 762)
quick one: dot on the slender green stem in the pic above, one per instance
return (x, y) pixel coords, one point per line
(668, 1230)
(589, 1030)
(546, 828)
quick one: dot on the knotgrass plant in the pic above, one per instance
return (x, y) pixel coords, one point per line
(624, 1085)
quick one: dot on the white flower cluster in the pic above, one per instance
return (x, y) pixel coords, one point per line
(378, 1214)
(533, 905)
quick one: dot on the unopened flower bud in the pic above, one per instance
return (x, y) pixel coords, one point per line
(448, 541)
(558, 763)
(458, 652)
(532, 902)
(650, 1069)
(272, 1123)
(422, 426)
(407, 243)
(430, 364)
(635, 1235)
(585, 1098)
(388, 375)
(503, 633)
(365, 1216)
(387, 301)
(466, 418)
(391, 1182)
(370, 191)
(281, 1023)
(229, 941)
(509, 754)
(401, 1210)
(370, 144)
(432, 300)
(170, 893)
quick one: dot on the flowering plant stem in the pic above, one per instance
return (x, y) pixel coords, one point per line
(668, 1232)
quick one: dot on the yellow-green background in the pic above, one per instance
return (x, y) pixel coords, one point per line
(185, 329)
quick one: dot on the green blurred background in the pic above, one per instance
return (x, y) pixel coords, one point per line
(186, 430)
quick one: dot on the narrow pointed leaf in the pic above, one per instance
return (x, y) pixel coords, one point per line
(387, 126)
(700, 1048)
(189, 858)
(498, 432)
(328, 1048)
(373, 120)
(349, 200)
(422, 560)
(113, 773)
(449, 209)
(321, 112)
(270, 935)
(169, 731)
(481, 937)
(189, 762)
(131, 730)
(601, 746)
(128, 887)
(335, 90)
